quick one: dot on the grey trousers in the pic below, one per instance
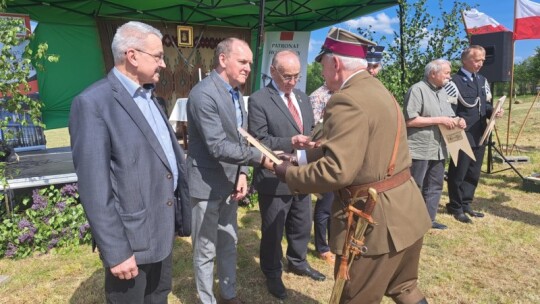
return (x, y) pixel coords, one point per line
(429, 176)
(214, 236)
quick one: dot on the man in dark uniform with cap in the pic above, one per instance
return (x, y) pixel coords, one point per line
(374, 58)
(475, 109)
(364, 143)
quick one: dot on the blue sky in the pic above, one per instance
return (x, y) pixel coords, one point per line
(386, 21)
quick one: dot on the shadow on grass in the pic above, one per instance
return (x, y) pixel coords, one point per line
(91, 290)
(183, 283)
(496, 205)
(251, 283)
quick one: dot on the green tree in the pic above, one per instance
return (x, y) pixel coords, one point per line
(423, 38)
(522, 77)
(14, 72)
(527, 74)
(535, 67)
(314, 77)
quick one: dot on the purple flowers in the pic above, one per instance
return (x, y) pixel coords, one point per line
(83, 229)
(28, 230)
(11, 250)
(52, 243)
(27, 236)
(69, 190)
(61, 206)
(40, 202)
(53, 218)
(24, 223)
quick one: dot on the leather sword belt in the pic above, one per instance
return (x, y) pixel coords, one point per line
(357, 191)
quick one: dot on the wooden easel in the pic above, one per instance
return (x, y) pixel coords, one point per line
(524, 121)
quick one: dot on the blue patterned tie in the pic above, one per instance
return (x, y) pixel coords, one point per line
(235, 97)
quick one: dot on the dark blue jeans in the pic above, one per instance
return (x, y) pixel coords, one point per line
(429, 176)
(321, 221)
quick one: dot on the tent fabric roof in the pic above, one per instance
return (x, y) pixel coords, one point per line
(69, 27)
(280, 15)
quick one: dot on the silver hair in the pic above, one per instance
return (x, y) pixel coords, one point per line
(131, 35)
(435, 66)
(351, 63)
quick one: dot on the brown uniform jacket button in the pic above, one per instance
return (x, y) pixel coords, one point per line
(169, 176)
(169, 203)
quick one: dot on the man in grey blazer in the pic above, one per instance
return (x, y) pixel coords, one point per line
(217, 165)
(131, 170)
(281, 117)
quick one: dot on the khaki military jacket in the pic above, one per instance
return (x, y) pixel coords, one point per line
(360, 126)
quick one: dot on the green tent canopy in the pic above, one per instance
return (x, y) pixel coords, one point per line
(69, 28)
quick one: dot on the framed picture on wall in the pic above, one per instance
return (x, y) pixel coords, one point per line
(185, 36)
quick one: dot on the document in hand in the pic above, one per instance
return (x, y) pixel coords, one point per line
(260, 146)
(492, 119)
(456, 140)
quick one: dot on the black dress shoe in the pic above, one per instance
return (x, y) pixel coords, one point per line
(276, 288)
(436, 225)
(462, 217)
(474, 213)
(308, 272)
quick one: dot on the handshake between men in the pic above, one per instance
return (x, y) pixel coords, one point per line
(299, 142)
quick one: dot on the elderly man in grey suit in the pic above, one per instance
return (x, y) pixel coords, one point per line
(281, 117)
(130, 170)
(217, 164)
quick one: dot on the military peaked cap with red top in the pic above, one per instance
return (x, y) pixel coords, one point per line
(341, 42)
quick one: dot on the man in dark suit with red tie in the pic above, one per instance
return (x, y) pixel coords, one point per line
(281, 117)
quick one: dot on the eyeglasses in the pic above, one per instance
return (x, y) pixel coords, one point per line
(157, 58)
(296, 77)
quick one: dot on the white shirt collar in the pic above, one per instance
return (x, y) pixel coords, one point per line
(467, 73)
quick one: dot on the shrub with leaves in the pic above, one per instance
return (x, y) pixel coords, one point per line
(15, 70)
(52, 217)
(251, 198)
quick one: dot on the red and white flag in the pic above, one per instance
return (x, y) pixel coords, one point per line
(480, 23)
(527, 22)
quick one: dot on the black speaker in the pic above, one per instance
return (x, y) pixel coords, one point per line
(498, 64)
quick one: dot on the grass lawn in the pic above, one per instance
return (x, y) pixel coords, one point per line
(494, 260)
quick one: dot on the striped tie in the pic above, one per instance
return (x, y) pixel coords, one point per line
(294, 113)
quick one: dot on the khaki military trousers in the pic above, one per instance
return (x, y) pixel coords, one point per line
(394, 274)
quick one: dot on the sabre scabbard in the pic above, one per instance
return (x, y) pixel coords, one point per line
(354, 242)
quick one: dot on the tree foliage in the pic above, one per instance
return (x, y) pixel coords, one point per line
(425, 38)
(535, 66)
(14, 72)
(314, 78)
(527, 74)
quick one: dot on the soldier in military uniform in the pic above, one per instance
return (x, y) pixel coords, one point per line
(364, 142)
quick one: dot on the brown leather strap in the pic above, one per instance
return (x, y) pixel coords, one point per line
(392, 165)
(381, 186)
